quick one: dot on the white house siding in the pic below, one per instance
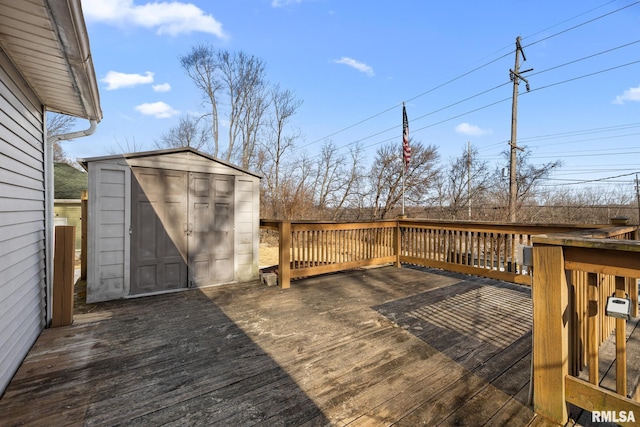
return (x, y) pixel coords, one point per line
(22, 220)
(108, 241)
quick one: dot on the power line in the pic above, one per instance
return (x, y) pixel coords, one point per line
(583, 131)
(479, 68)
(583, 23)
(509, 46)
(620, 153)
(609, 168)
(476, 109)
(556, 136)
(523, 93)
(567, 20)
(585, 58)
(574, 171)
(592, 139)
(414, 98)
(606, 180)
(586, 75)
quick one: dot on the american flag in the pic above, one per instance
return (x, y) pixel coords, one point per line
(406, 149)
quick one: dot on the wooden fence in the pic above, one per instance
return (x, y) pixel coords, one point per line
(573, 276)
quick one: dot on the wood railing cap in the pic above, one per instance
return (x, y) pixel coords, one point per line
(577, 240)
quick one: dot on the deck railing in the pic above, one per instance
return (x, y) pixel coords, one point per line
(493, 250)
(311, 248)
(489, 250)
(573, 275)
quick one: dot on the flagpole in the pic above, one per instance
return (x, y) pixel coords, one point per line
(404, 164)
(403, 169)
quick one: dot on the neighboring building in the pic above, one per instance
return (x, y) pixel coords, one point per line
(45, 65)
(69, 183)
(167, 220)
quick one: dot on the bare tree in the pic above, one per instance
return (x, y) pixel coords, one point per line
(125, 147)
(277, 144)
(584, 205)
(232, 83)
(528, 179)
(328, 176)
(386, 177)
(58, 124)
(337, 179)
(253, 121)
(464, 179)
(244, 81)
(187, 133)
(349, 193)
(295, 192)
(201, 65)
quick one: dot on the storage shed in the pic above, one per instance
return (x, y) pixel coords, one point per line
(167, 220)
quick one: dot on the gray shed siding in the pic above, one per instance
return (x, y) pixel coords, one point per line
(247, 210)
(23, 220)
(108, 239)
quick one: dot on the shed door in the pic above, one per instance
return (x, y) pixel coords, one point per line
(158, 237)
(211, 232)
(182, 230)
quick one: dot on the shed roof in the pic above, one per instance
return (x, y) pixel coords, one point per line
(48, 43)
(84, 162)
(69, 182)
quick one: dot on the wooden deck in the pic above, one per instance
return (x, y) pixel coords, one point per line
(371, 347)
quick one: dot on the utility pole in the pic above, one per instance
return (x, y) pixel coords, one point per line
(515, 75)
(469, 177)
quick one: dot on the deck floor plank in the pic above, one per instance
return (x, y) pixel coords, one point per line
(367, 347)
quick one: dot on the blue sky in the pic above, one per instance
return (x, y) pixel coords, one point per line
(353, 63)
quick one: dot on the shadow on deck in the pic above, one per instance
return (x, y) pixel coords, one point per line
(380, 346)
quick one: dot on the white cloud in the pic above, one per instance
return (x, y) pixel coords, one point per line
(632, 94)
(362, 67)
(159, 110)
(116, 80)
(164, 87)
(472, 130)
(283, 3)
(168, 17)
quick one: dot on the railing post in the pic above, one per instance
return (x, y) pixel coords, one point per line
(633, 294)
(397, 243)
(63, 260)
(593, 328)
(621, 343)
(284, 266)
(550, 332)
